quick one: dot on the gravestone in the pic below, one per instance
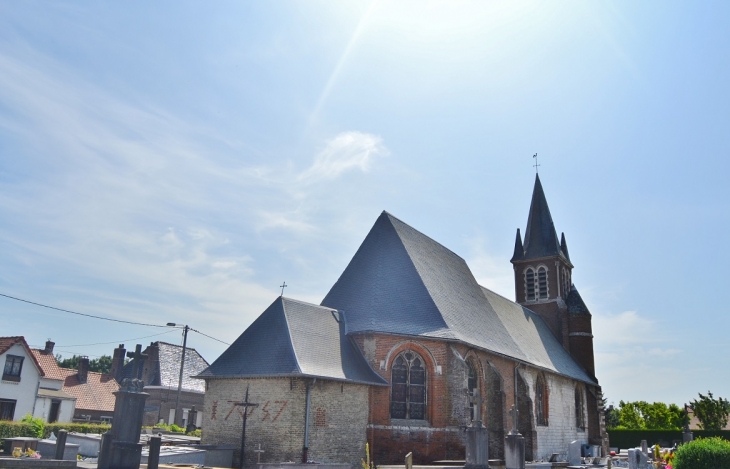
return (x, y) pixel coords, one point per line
(644, 447)
(477, 448)
(409, 461)
(574, 453)
(637, 459)
(120, 447)
(514, 445)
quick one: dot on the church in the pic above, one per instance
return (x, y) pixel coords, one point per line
(397, 346)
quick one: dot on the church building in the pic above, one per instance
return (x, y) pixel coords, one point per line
(399, 343)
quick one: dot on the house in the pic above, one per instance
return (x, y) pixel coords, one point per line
(53, 404)
(92, 392)
(21, 378)
(161, 374)
(398, 345)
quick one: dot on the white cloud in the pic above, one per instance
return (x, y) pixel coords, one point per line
(346, 151)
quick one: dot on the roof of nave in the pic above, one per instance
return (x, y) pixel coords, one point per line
(294, 338)
(402, 282)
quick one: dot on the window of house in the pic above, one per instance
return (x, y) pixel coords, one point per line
(542, 285)
(530, 284)
(580, 421)
(7, 409)
(13, 366)
(541, 401)
(471, 386)
(408, 387)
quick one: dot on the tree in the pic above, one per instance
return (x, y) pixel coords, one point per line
(102, 364)
(641, 415)
(712, 413)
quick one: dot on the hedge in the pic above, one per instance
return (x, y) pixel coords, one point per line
(10, 429)
(706, 453)
(624, 439)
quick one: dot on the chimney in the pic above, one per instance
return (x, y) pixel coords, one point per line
(118, 362)
(83, 371)
(49, 346)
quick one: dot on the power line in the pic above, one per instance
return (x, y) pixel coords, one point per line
(210, 337)
(82, 314)
(107, 319)
(114, 341)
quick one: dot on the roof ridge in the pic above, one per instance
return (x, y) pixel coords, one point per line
(423, 234)
(294, 300)
(291, 339)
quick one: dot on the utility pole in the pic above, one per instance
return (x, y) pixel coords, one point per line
(182, 365)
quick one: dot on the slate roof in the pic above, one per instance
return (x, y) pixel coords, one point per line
(541, 239)
(575, 302)
(402, 282)
(166, 370)
(294, 338)
(169, 367)
(96, 394)
(7, 342)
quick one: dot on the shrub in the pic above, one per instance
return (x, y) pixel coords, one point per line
(176, 429)
(196, 432)
(10, 429)
(704, 453)
(94, 428)
(36, 423)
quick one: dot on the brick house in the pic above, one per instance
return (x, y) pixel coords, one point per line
(92, 392)
(161, 374)
(424, 326)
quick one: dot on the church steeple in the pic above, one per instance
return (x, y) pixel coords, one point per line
(564, 246)
(541, 239)
(519, 250)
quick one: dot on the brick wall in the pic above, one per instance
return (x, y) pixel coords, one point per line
(338, 419)
(441, 435)
(161, 400)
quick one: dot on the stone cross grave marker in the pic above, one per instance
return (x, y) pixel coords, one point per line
(245, 404)
(476, 400)
(514, 413)
(137, 358)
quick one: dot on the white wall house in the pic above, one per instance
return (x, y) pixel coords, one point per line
(53, 403)
(21, 378)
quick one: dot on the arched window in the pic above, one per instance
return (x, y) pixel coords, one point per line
(472, 384)
(530, 284)
(408, 387)
(541, 401)
(542, 285)
(580, 421)
(566, 282)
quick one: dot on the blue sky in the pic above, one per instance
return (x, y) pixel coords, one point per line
(176, 161)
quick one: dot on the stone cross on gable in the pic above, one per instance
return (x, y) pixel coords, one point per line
(137, 358)
(514, 413)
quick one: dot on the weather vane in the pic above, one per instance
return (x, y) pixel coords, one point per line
(535, 165)
(283, 286)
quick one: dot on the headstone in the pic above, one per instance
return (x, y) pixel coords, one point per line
(120, 447)
(153, 460)
(644, 447)
(687, 435)
(477, 447)
(61, 444)
(574, 453)
(409, 461)
(514, 445)
(637, 459)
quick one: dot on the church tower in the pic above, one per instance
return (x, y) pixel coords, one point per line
(543, 281)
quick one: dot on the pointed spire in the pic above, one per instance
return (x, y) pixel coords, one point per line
(519, 250)
(564, 246)
(541, 239)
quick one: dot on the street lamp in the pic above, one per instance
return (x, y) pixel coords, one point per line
(182, 364)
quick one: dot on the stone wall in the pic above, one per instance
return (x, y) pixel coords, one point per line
(162, 399)
(338, 419)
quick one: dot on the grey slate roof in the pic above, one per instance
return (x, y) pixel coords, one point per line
(294, 338)
(169, 367)
(575, 302)
(166, 370)
(541, 239)
(402, 282)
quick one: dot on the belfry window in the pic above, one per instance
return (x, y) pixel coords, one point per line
(542, 286)
(530, 283)
(536, 283)
(408, 387)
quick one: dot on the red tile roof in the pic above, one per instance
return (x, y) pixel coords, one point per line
(7, 342)
(96, 394)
